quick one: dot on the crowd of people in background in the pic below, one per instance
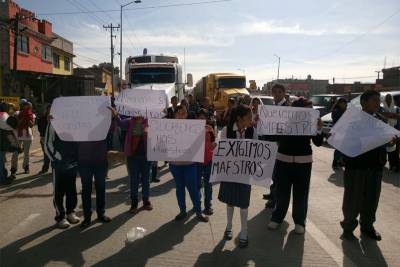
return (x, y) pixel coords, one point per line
(291, 175)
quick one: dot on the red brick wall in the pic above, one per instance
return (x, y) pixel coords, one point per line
(33, 60)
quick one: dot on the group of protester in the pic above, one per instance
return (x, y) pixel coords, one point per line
(291, 175)
(16, 137)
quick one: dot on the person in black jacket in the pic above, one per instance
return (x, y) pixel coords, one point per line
(292, 173)
(362, 181)
(42, 124)
(337, 111)
(64, 161)
(278, 93)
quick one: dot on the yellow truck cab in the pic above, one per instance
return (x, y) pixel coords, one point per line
(219, 87)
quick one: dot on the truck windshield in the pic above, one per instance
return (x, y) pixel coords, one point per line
(232, 83)
(153, 75)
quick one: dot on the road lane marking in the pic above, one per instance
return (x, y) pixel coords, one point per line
(336, 254)
(22, 225)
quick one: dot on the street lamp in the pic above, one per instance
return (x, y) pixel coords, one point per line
(279, 64)
(120, 37)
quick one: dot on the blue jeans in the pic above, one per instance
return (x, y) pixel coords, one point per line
(99, 172)
(186, 176)
(3, 170)
(139, 169)
(205, 172)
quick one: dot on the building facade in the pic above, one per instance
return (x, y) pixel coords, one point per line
(300, 87)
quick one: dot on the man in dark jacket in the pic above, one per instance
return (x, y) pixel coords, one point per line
(278, 93)
(64, 161)
(362, 181)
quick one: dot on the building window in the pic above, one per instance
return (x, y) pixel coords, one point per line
(23, 44)
(56, 61)
(46, 53)
(67, 63)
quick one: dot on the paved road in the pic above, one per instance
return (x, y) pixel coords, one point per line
(29, 238)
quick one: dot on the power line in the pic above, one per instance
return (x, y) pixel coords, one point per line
(132, 9)
(84, 9)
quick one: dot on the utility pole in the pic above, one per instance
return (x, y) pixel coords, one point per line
(279, 64)
(112, 28)
(120, 36)
(16, 34)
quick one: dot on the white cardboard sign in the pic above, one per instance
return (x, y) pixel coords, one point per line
(176, 140)
(81, 118)
(282, 120)
(357, 132)
(141, 102)
(244, 161)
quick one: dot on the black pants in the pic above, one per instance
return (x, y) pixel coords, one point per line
(362, 188)
(288, 176)
(46, 160)
(64, 185)
(98, 172)
(394, 158)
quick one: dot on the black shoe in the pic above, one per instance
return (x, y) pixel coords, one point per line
(13, 171)
(373, 234)
(26, 170)
(104, 219)
(155, 180)
(182, 215)
(348, 235)
(86, 223)
(228, 235)
(208, 211)
(267, 196)
(201, 218)
(134, 207)
(243, 243)
(43, 171)
(270, 204)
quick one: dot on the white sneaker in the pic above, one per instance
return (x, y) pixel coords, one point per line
(273, 225)
(299, 229)
(72, 218)
(63, 224)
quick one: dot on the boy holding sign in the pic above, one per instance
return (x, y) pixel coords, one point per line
(362, 181)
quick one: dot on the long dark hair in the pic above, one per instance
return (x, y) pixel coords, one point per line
(239, 111)
(336, 105)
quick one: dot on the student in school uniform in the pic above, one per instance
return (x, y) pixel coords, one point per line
(237, 194)
(185, 176)
(362, 181)
(278, 93)
(64, 161)
(204, 168)
(293, 173)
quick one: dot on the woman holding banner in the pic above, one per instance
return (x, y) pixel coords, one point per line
(185, 175)
(137, 163)
(237, 194)
(293, 170)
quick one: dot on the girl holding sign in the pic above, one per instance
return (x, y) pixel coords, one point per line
(293, 170)
(185, 175)
(237, 194)
(138, 165)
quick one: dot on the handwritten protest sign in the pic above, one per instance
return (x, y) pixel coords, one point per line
(141, 102)
(176, 140)
(81, 118)
(244, 161)
(278, 120)
(358, 132)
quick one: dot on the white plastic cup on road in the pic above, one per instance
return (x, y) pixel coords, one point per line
(134, 234)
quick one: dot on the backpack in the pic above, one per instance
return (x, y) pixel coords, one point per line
(9, 142)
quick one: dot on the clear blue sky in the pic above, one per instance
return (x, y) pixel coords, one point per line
(324, 38)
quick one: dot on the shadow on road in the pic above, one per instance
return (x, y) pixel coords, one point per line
(266, 248)
(67, 246)
(363, 253)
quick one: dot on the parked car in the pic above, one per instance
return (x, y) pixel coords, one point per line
(324, 103)
(327, 119)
